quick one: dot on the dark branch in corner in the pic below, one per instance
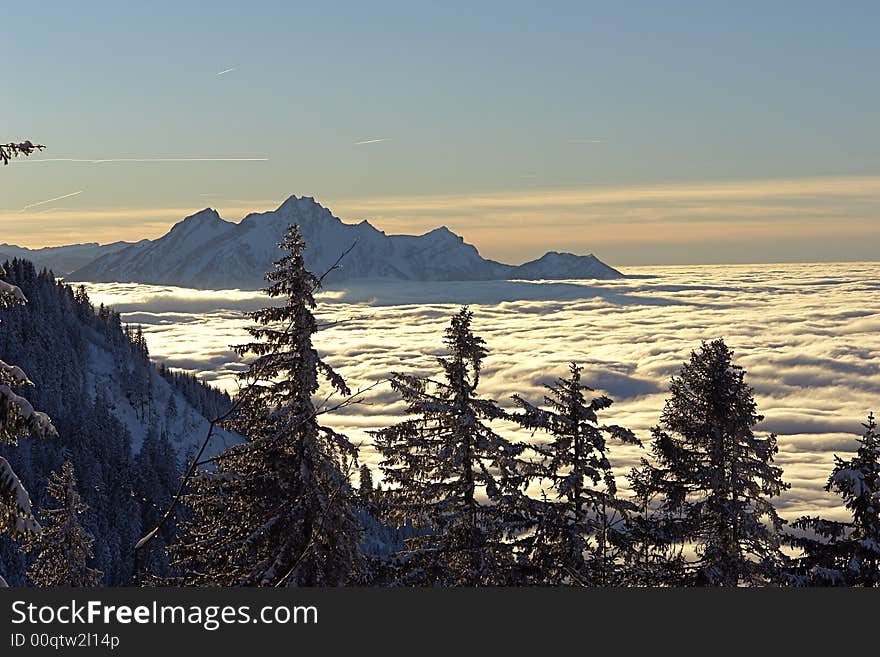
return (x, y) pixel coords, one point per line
(12, 149)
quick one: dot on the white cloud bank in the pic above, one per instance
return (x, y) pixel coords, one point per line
(808, 335)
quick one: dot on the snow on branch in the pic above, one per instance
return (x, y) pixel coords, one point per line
(12, 149)
(13, 405)
(15, 504)
(850, 481)
(13, 374)
(8, 290)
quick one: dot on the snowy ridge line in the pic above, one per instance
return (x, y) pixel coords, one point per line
(207, 252)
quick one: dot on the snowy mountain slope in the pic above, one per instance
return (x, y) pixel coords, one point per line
(61, 259)
(81, 357)
(125, 424)
(185, 428)
(205, 251)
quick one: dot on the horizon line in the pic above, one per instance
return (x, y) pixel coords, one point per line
(512, 224)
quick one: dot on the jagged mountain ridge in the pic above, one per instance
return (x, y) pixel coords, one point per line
(61, 259)
(206, 251)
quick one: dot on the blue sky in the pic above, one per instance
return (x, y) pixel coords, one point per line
(538, 101)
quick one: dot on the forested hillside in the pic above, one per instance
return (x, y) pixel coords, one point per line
(126, 425)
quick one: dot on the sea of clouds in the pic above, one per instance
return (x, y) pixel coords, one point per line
(807, 334)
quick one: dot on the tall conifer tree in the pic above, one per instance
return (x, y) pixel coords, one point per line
(63, 549)
(452, 474)
(714, 478)
(847, 553)
(580, 535)
(278, 510)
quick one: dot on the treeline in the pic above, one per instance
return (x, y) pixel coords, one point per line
(464, 502)
(210, 401)
(58, 337)
(544, 509)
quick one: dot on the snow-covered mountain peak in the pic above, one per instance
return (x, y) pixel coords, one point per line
(301, 204)
(197, 229)
(363, 223)
(207, 219)
(205, 251)
(441, 229)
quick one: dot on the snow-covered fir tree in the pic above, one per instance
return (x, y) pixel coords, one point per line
(580, 536)
(17, 417)
(452, 474)
(847, 553)
(278, 510)
(63, 549)
(714, 478)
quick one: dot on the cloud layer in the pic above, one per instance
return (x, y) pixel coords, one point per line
(808, 335)
(768, 220)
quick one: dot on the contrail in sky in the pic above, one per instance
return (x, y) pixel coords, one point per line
(371, 141)
(228, 70)
(587, 141)
(147, 159)
(50, 200)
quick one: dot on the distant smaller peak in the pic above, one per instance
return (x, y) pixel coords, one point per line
(363, 223)
(565, 255)
(305, 211)
(289, 201)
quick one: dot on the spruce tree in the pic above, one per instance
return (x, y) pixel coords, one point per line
(63, 549)
(656, 557)
(366, 487)
(278, 510)
(847, 553)
(451, 474)
(714, 478)
(580, 536)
